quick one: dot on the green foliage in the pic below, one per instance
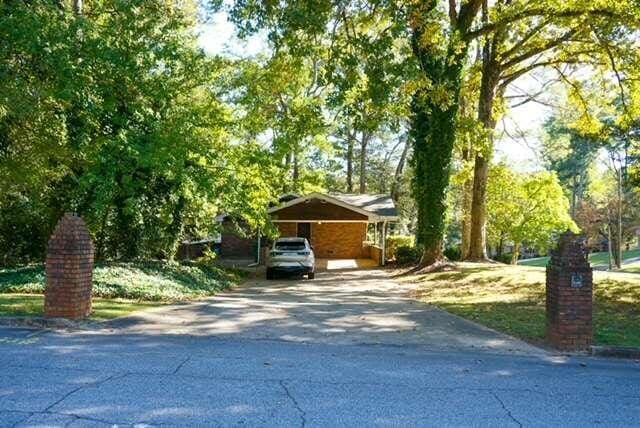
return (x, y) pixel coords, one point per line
(396, 241)
(453, 253)
(526, 208)
(146, 281)
(408, 255)
(571, 156)
(507, 258)
(114, 114)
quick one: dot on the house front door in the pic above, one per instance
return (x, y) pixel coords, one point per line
(304, 231)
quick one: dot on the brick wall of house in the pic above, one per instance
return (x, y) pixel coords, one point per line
(338, 240)
(332, 240)
(288, 230)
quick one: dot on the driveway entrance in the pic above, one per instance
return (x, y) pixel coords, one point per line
(363, 306)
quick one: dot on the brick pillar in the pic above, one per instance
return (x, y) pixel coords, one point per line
(570, 295)
(69, 269)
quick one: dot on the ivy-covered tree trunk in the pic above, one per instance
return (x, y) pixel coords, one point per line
(434, 120)
(433, 130)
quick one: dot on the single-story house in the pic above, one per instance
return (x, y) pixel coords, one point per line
(336, 226)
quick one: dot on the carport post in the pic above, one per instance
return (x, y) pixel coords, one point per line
(375, 233)
(259, 247)
(384, 241)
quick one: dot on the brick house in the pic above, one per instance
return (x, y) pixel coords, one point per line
(336, 225)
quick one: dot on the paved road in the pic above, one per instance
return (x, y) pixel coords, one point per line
(126, 377)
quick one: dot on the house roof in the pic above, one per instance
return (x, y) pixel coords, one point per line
(382, 205)
(375, 207)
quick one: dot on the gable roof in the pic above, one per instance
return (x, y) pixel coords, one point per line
(375, 207)
(382, 205)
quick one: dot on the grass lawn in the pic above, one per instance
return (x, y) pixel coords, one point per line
(512, 299)
(118, 288)
(20, 305)
(596, 259)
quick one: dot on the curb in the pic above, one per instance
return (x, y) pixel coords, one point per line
(616, 352)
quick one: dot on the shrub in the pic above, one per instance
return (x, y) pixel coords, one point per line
(453, 253)
(504, 258)
(395, 241)
(407, 255)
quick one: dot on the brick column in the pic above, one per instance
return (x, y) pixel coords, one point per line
(69, 270)
(570, 295)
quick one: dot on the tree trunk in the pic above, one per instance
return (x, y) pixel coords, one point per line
(397, 178)
(574, 196)
(609, 248)
(515, 254)
(288, 158)
(433, 123)
(349, 162)
(77, 7)
(619, 221)
(467, 189)
(296, 171)
(176, 228)
(363, 162)
(490, 78)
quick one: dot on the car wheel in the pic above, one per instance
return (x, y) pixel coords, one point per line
(269, 273)
(311, 275)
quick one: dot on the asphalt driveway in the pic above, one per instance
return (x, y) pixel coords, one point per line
(338, 307)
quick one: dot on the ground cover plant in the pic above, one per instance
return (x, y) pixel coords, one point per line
(118, 288)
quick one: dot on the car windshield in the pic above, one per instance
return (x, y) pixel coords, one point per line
(290, 246)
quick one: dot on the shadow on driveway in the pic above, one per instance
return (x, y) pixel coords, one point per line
(338, 307)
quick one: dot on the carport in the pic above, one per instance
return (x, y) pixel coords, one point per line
(338, 225)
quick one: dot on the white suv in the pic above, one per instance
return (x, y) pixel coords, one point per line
(291, 255)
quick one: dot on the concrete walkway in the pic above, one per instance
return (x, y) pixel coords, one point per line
(338, 307)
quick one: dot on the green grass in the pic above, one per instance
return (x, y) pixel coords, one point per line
(118, 288)
(597, 259)
(30, 305)
(512, 299)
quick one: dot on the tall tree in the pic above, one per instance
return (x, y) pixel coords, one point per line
(571, 156)
(117, 115)
(524, 36)
(529, 209)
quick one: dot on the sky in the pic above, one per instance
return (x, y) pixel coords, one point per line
(519, 146)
